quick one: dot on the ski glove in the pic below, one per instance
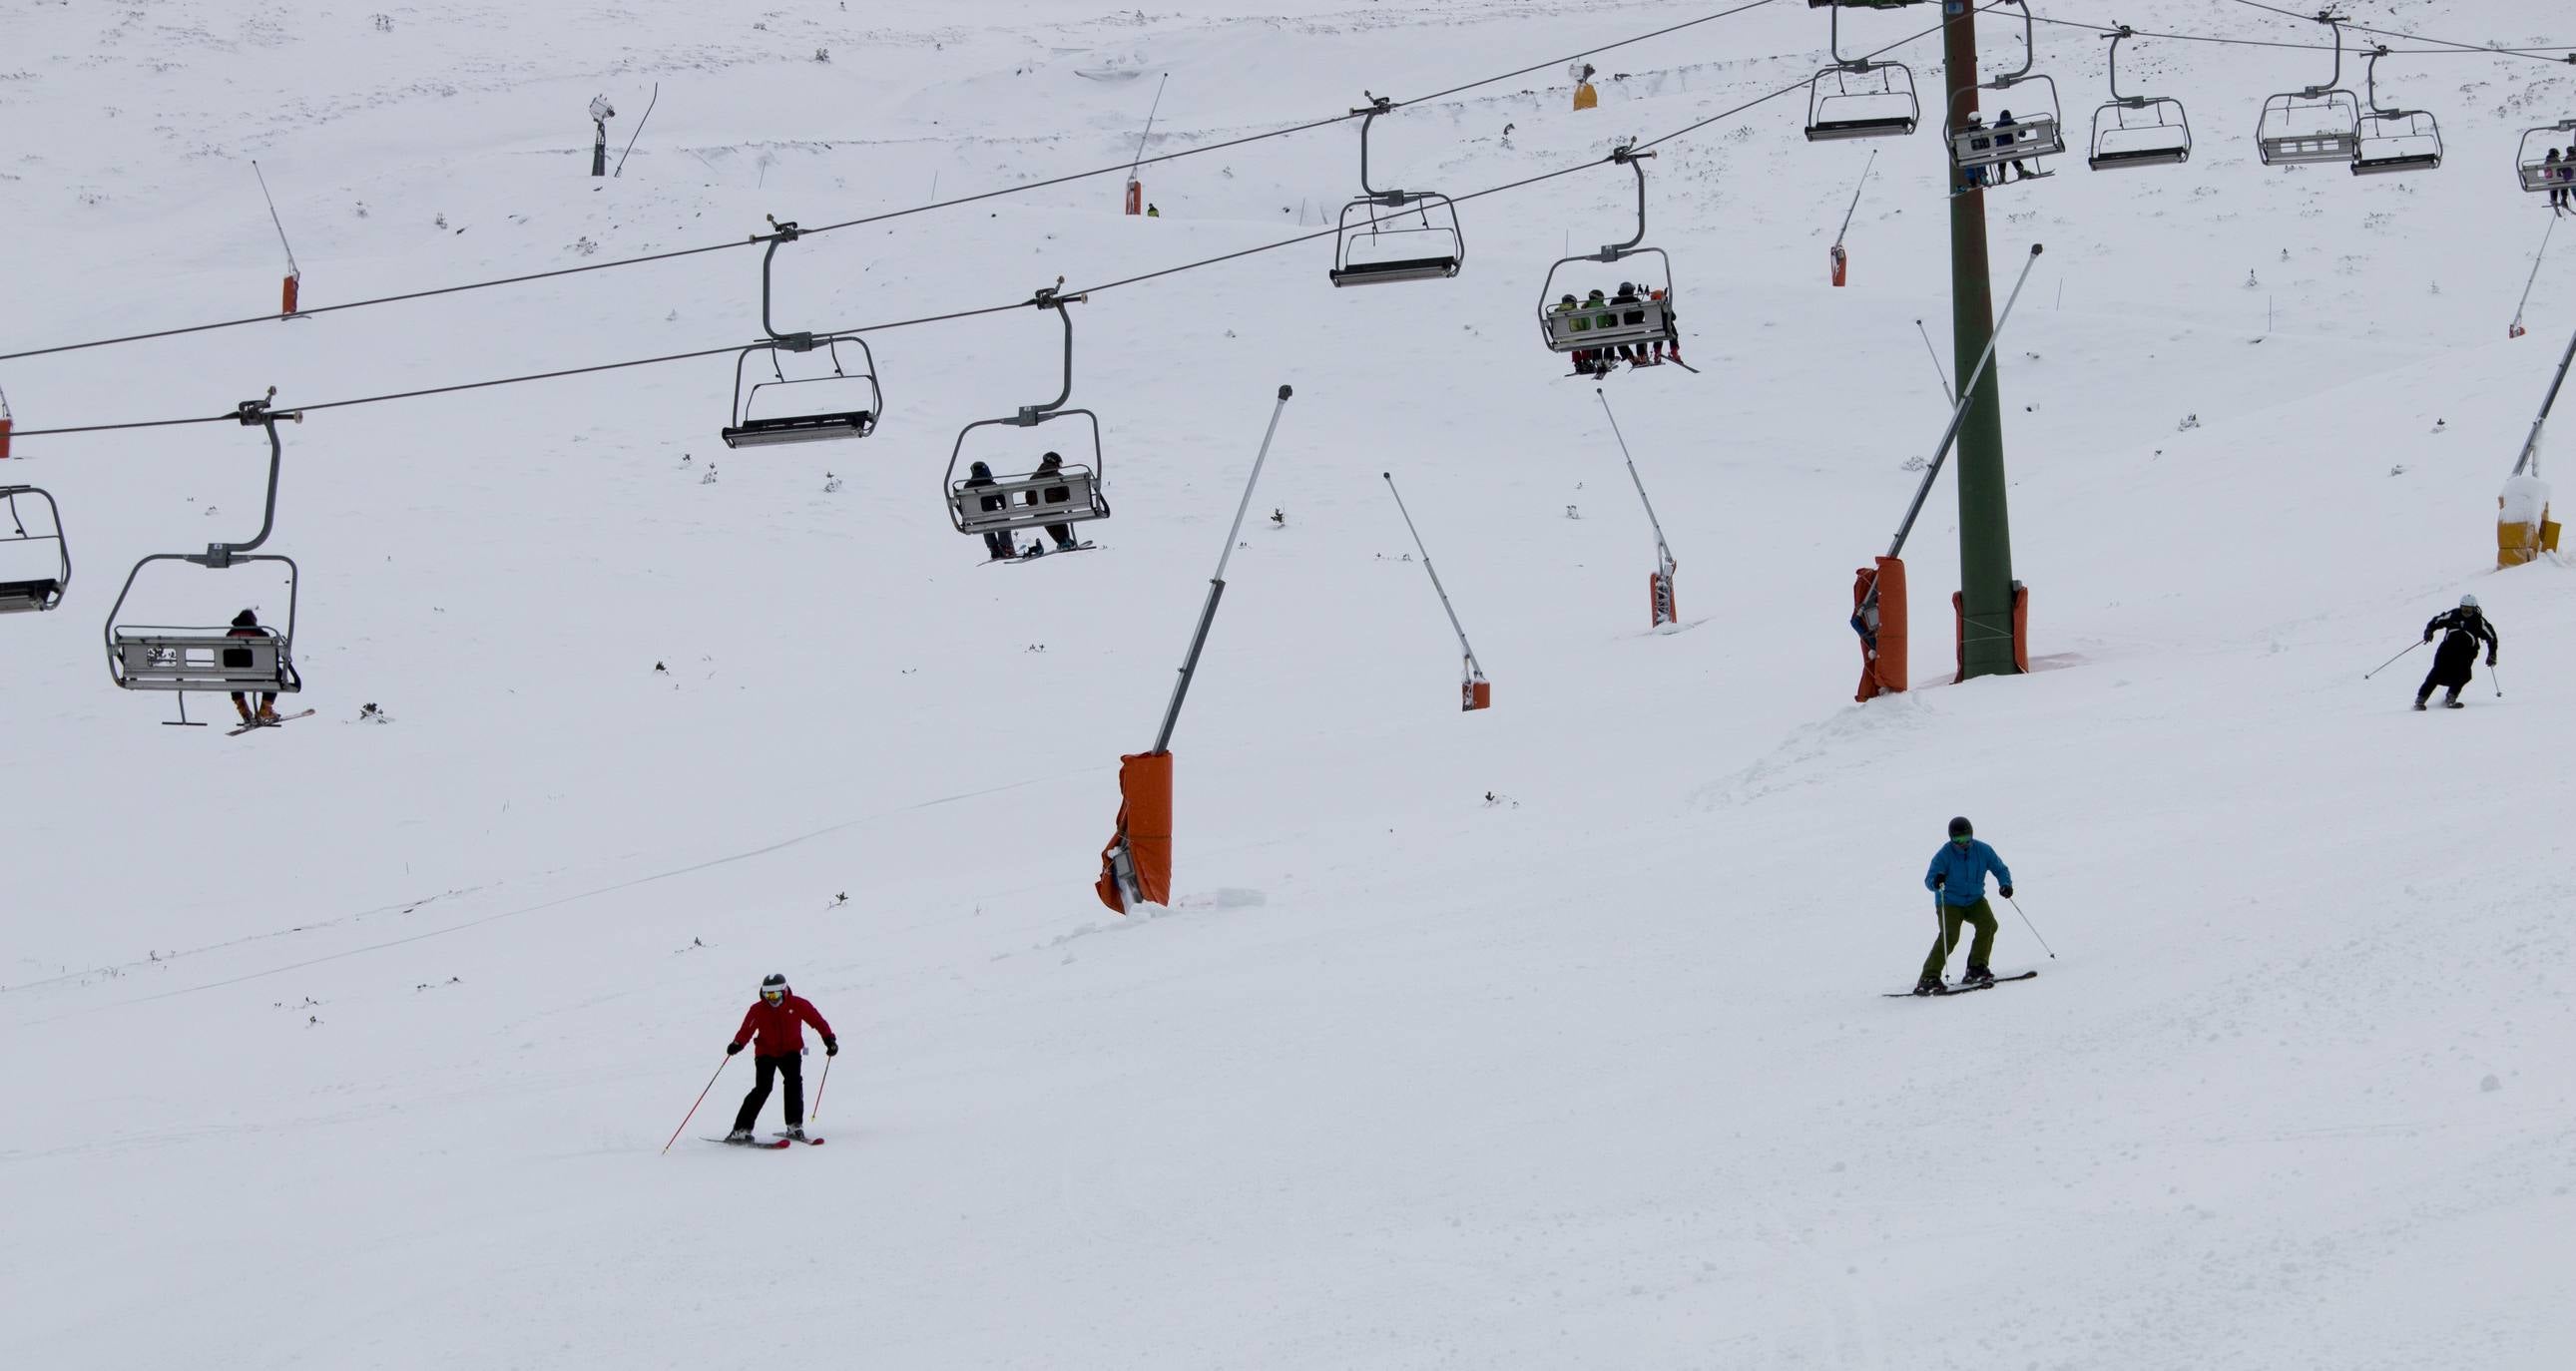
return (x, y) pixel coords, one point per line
(831, 1047)
(2490, 659)
(1940, 881)
(732, 1048)
(2007, 891)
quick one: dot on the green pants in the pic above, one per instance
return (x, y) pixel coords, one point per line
(1978, 916)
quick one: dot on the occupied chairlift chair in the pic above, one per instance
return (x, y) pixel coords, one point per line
(2030, 136)
(2394, 139)
(1431, 249)
(2538, 173)
(1068, 495)
(187, 660)
(1644, 321)
(1852, 108)
(41, 592)
(2316, 124)
(810, 426)
(2143, 130)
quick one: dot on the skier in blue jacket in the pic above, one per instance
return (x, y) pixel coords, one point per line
(1957, 880)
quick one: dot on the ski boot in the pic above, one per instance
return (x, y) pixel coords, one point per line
(1978, 975)
(2451, 700)
(740, 1137)
(268, 711)
(1927, 988)
(795, 1134)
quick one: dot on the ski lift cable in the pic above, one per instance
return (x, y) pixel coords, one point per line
(2453, 51)
(2444, 44)
(1606, 160)
(1129, 168)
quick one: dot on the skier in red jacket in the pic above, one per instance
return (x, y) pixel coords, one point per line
(778, 1019)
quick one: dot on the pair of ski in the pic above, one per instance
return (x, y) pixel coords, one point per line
(1601, 372)
(264, 723)
(1039, 552)
(779, 1142)
(1963, 989)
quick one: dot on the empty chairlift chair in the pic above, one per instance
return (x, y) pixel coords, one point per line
(852, 400)
(1859, 98)
(2394, 139)
(2137, 130)
(2315, 124)
(1069, 494)
(1416, 239)
(22, 593)
(2532, 163)
(1640, 322)
(190, 660)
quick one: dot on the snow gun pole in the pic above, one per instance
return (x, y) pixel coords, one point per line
(1958, 416)
(1216, 583)
(639, 131)
(2530, 458)
(1473, 692)
(2034, 928)
(1855, 204)
(294, 273)
(1147, 135)
(702, 1099)
(2515, 329)
(1665, 602)
(1136, 866)
(2383, 666)
(1935, 354)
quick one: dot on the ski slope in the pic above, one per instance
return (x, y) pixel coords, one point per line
(1544, 1036)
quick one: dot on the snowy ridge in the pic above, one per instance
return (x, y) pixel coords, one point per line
(352, 1045)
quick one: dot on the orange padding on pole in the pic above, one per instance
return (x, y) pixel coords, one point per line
(1884, 670)
(5, 425)
(1144, 830)
(1841, 260)
(2020, 629)
(1475, 694)
(1135, 196)
(286, 295)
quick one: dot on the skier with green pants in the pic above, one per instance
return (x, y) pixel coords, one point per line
(1957, 880)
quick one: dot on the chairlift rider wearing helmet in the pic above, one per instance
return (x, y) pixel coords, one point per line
(1957, 880)
(246, 625)
(2461, 629)
(1050, 465)
(998, 543)
(777, 1018)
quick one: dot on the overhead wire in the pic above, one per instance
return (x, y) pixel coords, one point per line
(889, 215)
(2449, 50)
(1374, 219)
(2444, 43)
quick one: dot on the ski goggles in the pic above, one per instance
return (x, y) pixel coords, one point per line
(773, 995)
(1964, 839)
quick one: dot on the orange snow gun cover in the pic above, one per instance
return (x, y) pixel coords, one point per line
(1144, 830)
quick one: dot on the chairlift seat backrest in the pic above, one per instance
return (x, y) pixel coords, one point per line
(1609, 325)
(201, 660)
(800, 428)
(1985, 146)
(1067, 495)
(19, 597)
(1399, 269)
(2299, 149)
(2547, 175)
(2112, 158)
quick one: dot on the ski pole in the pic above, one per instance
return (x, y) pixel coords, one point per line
(816, 1113)
(2383, 666)
(2034, 928)
(693, 1108)
(1941, 930)
(2499, 679)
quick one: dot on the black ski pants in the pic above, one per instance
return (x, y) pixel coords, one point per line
(791, 1067)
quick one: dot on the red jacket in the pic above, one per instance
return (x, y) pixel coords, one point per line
(779, 1026)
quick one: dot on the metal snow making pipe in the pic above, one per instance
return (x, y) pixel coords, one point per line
(1473, 690)
(1136, 866)
(1664, 601)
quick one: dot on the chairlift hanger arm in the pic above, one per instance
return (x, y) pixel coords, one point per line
(2335, 22)
(254, 413)
(1623, 155)
(785, 233)
(2029, 49)
(1048, 298)
(2124, 101)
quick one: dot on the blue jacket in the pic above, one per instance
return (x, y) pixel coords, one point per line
(1963, 874)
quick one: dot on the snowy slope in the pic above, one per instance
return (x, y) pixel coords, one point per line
(354, 1045)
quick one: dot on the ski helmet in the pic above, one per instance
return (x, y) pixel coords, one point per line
(979, 469)
(1961, 828)
(2468, 602)
(773, 985)
(246, 619)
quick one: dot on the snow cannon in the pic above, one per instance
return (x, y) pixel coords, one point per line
(2523, 526)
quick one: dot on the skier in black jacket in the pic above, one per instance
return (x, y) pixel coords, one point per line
(998, 543)
(2461, 629)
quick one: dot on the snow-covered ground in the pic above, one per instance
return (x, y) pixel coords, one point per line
(1544, 1036)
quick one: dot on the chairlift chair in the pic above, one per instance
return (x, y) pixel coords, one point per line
(1645, 320)
(806, 425)
(2027, 137)
(192, 660)
(2394, 139)
(1851, 109)
(2539, 174)
(36, 593)
(2313, 124)
(2143, 130)
(1429, 249)
(1071, 494)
